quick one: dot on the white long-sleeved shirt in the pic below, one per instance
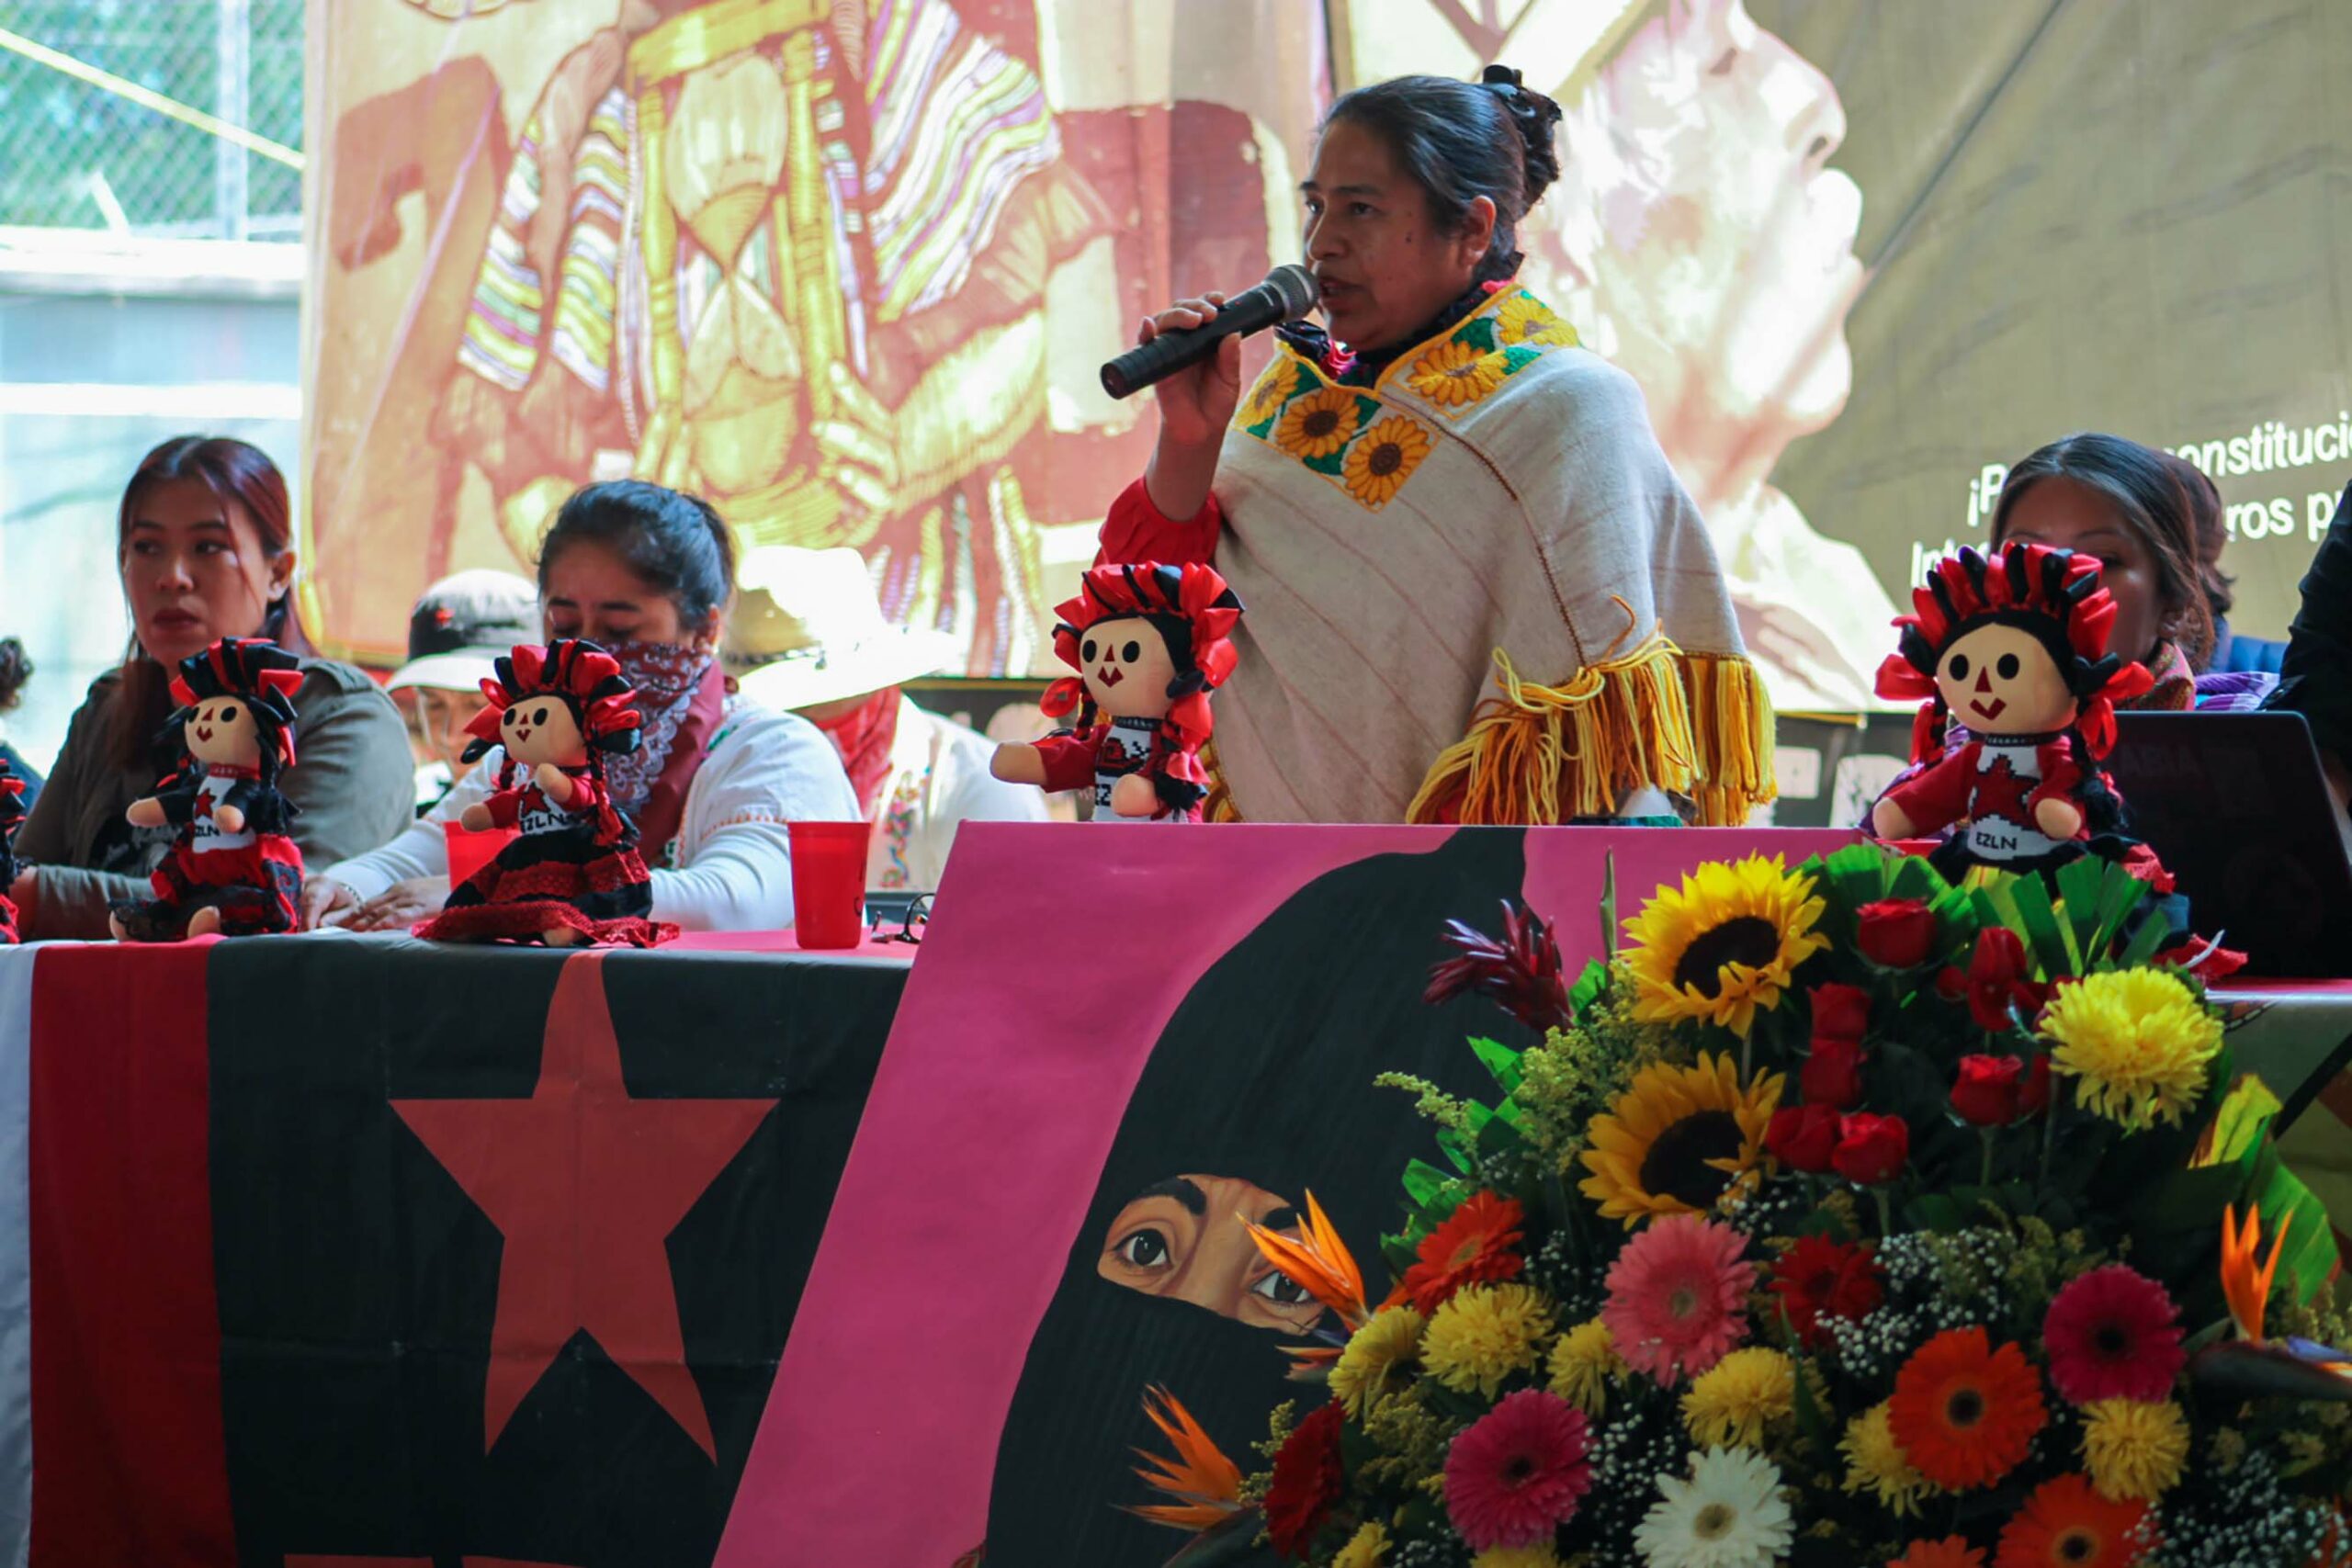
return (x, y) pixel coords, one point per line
(734, 859)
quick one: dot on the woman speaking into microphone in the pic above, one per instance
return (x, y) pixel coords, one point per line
(1477, 592)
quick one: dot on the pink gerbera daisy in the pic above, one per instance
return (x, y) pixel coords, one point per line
(1519, 1474)
(1676, 1297)
(2113, 1334)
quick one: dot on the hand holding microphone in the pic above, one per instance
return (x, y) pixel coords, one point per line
(1191, 354)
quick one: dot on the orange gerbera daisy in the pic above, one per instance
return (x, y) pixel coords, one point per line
(1953, 1552)
(2066, 1524)
(1473, 1246)
(1964, 1412)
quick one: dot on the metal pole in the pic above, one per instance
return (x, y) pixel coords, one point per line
(233, 32)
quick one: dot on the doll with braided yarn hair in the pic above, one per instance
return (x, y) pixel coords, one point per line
(233, 868)
(1149, 643)
(572, 874)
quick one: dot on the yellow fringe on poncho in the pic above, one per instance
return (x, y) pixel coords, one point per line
(1694, 725)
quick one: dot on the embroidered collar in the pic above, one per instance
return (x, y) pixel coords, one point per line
(1347, 367)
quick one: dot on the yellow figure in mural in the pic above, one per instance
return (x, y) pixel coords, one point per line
(789, 255)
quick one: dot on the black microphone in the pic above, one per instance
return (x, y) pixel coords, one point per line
(1288, 293)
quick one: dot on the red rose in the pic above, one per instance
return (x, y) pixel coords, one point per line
(1840, 1012)
(1833, 1073)
(1306, 1484)
(1871, 1149)
(1987, 1093)
(1896, 933)
(1997, 980)
(2035, 1095)
(1802, 1137)
(2207, 961)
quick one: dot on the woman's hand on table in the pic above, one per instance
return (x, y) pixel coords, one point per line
(401, 906)
(326, 902)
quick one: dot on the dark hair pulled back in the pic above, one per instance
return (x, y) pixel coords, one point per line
(677, 542)
(1460, 140)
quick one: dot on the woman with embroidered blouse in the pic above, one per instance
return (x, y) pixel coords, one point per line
(1476, 591)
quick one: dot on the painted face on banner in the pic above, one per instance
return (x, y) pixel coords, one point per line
(1183, 1237)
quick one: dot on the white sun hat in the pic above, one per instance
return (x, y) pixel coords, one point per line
(807, 628)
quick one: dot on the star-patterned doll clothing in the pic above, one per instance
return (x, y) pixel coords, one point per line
(1105, 754)
(573, 864)
(251, 873)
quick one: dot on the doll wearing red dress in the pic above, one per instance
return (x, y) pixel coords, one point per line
(2015, 647)
(572, 874)
(1149, 643)
(233, 868)
(12, 817)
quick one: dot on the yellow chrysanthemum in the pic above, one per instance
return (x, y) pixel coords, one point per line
(1583, 1364)
(1540, 1555)
(2139, 1040)
(1525, 319)
(1724, 944)
(1318, 423)
(1731, 1404)
(2135, 1451)
(1379, 464)
(1676, 1139)
(1875, 1462)
(1453, 373)
(1376, 1357)
(1483, 1335)
(1368, 1548)
(1267, 396)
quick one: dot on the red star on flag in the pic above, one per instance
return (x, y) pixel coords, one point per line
(585, 1183)
(2001, 792)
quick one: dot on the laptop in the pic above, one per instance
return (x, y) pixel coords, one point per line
(2235, 806)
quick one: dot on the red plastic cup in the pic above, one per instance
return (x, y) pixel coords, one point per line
(470, 852)
(828, 882)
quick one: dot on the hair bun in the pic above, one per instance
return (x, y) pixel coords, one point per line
(1537, 118)
(16, 668)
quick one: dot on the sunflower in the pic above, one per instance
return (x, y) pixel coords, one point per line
(1484, 1334)
(1378, 1357)
(1279, 381)
(1379, 464)
(1876, 1462)
(1582, 1365)
(1676, 1139)
(2064, 1524)
(2135, 1451)
(2138, 1039)
(1964, 1412)
(1525, 319)
(1725, 945)
(1731, 1404)
(1319, 424)
(1452, 374)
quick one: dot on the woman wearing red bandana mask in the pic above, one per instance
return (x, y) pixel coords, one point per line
(645, 573)
(813, 635)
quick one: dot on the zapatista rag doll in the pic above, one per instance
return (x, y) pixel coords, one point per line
(1149, 643)
(572, 874)
(2013, 648)
(232, 868)
(12, 817)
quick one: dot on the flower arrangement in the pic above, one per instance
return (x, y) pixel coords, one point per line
(1844, 1216)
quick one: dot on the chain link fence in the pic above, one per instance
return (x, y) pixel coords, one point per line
(74, 154)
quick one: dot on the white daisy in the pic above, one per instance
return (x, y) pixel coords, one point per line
(1729, 1514)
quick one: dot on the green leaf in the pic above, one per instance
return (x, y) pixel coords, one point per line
(1811, 1420)
(2145, 943)
(2053, 944)
(1500, 1060)
(1934, 1211)
(1589, 987)
(1424, 1182)
(1455, 1149)
(2246, 1115)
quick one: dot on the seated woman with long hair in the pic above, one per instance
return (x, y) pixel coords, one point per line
(645, 573)
(204, 547)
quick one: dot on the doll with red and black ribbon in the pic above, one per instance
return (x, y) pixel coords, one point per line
(1149, 643)
(572, 876)
(2013, 648)
(12, 817)
(233, 868)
